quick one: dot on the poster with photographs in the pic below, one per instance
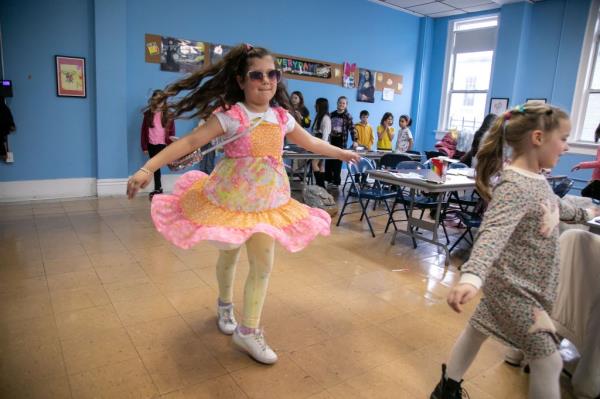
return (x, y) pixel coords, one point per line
(180, 55)
(348, 77)
(366, 86)
(217, 52)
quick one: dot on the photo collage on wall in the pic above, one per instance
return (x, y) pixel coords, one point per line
(186, 56)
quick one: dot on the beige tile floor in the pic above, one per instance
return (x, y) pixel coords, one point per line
(95, 304)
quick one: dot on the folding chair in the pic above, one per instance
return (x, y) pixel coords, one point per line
(562, 188)
(433, 154)
(364, 195)
(362, 179)
(472, 219)
(389, 161)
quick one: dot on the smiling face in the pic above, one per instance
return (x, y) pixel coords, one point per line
(389, 121)
(342, 104)
(554, 144)
(259, 93)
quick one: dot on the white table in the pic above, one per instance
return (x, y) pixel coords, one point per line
(453, 182)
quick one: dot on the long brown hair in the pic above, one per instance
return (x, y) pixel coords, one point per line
(512, 129)
(220, 90)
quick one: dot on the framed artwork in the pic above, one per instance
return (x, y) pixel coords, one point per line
(181, 55)
(366, 86)
(70, 76)
(498, 106)
(535, 101)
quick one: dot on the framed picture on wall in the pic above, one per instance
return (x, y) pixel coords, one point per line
(498, 106)
(70, 76)
(535, 101)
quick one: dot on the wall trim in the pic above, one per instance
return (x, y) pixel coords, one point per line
(118, 187)
(27, 190)
(34, 190)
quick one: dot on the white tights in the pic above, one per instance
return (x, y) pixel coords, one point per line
(545, 372)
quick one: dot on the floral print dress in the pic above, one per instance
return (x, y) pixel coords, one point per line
(516, 257)
(248, 192)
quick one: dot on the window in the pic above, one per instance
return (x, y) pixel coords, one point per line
(470, 53)
(586, 103)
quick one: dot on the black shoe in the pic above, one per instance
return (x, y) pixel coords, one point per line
(448, 388)
(153, 193)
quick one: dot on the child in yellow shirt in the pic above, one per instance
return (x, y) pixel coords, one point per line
(385, 132)
(364, 131)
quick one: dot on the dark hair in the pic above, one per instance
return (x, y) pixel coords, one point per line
(220, 90)
(300, 96)
(485, 126)
(407, 118)
(597, 134)
(385, 116)
(322, 107)
(150, 109)
(512, 129)
(364, 112)
(342, 98)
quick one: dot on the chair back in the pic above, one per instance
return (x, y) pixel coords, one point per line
(413, 152)
(413, 165)
(433, 154)
(562, 188)
(389, 161)
(363, 165)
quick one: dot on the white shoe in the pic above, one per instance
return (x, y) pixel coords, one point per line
(226, 319)
(255, 345)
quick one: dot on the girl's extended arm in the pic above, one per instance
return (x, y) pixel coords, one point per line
(200, 136)
(302, 138)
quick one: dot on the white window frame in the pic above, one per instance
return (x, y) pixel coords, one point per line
(591, 45)
(449, 67)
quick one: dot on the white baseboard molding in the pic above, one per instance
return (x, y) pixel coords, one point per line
(28, 190)
(117, 187)
(31, 190)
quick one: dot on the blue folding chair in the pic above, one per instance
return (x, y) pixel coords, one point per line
(363, 195)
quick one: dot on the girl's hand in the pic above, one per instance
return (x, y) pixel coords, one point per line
(349, 156)
(576, 167)
(459, 295)
(139, 180)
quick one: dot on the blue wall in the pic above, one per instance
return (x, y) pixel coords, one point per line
(537, 56)
(56, 136)
(296, 28)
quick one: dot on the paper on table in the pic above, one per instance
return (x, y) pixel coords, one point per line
(409, 175)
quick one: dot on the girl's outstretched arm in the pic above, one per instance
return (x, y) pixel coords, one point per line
(305, 140)
(200, 136)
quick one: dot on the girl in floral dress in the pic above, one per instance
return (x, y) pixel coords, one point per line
(515, 256)
(246, 199)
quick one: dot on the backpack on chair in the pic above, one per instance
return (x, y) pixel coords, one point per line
(318, 197)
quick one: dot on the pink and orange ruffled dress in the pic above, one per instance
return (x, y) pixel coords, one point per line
(247, 193)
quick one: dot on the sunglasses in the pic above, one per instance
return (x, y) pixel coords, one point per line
(274, 75)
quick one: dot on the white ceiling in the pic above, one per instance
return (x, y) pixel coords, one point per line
(444, 8)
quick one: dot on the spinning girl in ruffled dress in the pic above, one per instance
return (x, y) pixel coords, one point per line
(246, 199)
